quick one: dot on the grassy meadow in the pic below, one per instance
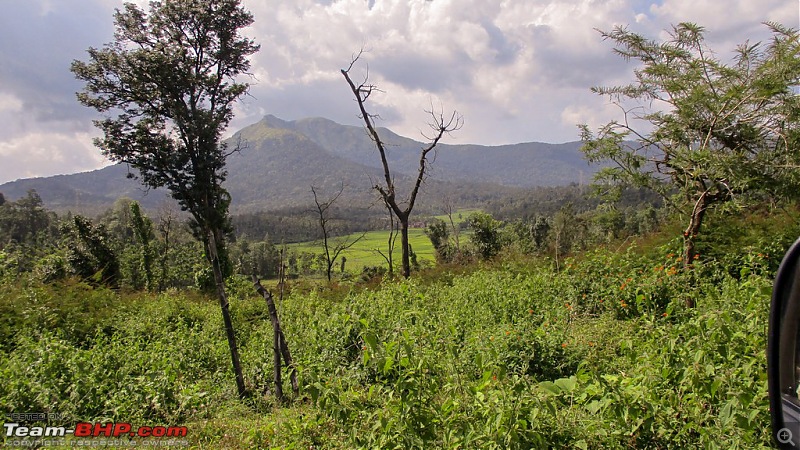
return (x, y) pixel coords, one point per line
(365, 251)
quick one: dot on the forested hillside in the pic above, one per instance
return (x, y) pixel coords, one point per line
(277, 162)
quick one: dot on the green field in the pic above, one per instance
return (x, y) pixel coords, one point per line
(459, 216)
(365, 251)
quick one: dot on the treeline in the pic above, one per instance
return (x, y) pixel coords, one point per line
(121, 248)
(548, 200)
(125, 248)
(299, 224)
(556, 235)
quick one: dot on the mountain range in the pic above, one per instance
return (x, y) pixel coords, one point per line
(278, 161)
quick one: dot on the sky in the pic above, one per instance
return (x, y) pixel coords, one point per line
(516, 70)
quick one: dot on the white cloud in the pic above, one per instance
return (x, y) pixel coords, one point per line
(518, 70)
(40, 154)
(492, 63)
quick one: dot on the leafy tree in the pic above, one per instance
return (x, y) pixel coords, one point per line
(25, 221)
(90, 251)
(438, 233)
(143, 231)
(485, 234)
(117, 221)
(439, 125)
(539, 232)
(169, 80)
(701, 132)
(261, 259)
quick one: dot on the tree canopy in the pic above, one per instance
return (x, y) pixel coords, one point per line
(702, 132)
(170, 81)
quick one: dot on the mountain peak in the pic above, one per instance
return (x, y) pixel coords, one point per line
(275, 122)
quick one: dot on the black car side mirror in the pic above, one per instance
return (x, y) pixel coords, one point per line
(783, 352)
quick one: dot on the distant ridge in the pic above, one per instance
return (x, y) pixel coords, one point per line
(280, 160)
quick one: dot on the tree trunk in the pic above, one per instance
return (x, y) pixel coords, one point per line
(276, 369)
(404, 244)
(328, 262)
(279, 345)
(695, 222)
(226, 315)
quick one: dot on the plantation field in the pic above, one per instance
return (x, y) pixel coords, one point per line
(364, 253)
(459, 216)
(515, 355)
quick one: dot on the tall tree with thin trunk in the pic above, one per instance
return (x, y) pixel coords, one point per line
(167, 85)
(440, 124)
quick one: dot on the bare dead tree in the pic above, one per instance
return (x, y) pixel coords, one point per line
(333, 251)
(440, 125)
(279, 346)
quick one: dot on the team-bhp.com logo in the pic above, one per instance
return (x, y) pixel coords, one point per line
(85, 429)
(84, 432)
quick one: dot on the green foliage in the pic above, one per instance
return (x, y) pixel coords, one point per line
(134, 241)
(486, 235)
(169, 123)
(52, 267)
(25, 221)
(89, 251)
(28, 233)
(437, 232)
(495, 360)
(603, 353)
(706, 134)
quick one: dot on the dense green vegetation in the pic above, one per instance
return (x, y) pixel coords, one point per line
(514, 354)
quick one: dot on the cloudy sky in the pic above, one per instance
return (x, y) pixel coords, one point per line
(517, 70)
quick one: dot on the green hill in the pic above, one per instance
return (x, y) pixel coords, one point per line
(278, 161)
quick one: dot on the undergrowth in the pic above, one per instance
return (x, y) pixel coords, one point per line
(605, 353)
